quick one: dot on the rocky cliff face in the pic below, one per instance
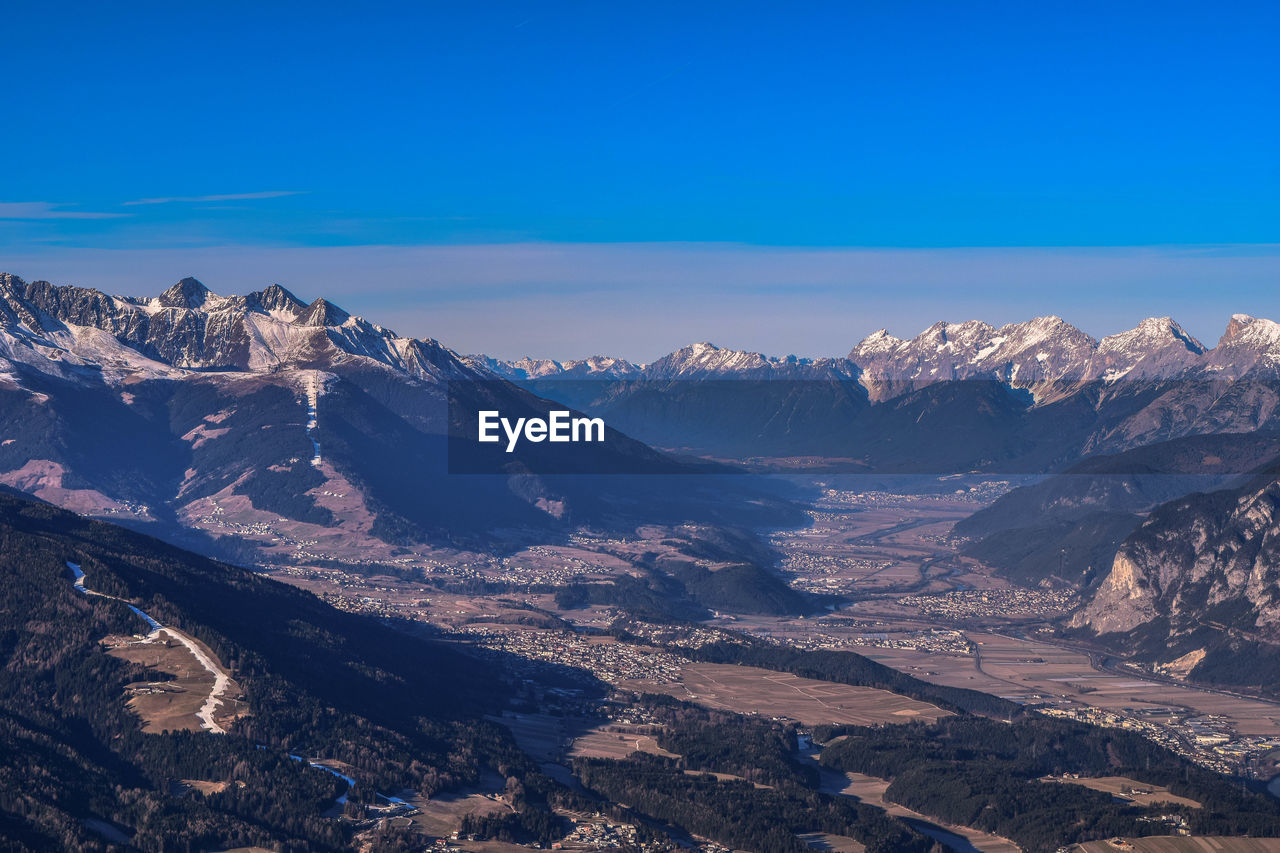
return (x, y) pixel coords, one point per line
(1248, 346)
(1203, 559)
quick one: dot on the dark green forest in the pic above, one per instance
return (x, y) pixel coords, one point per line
(408, 712)
(986, 773)
(773, 801)
(850, 668)
(404, 712)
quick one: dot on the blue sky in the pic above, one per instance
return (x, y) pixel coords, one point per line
(150, 141)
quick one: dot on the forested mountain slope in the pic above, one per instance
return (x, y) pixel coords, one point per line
(398, 711)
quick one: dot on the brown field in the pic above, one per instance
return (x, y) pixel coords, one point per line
(878, 549)
(443, 813)
(870, 790)
(606, 741)
(834, 843)
(1179, 844)
(207, 787)
(172, 705)
(726, 777)
(746, 689)
(1014, 667)
(1115, 784)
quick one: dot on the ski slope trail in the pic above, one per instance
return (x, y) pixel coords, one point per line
(221, 678)
(313, 386)
(221, 682)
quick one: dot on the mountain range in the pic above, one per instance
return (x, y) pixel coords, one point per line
(1026, 398)
(1042, 352)
(266, 423)
(264, 415)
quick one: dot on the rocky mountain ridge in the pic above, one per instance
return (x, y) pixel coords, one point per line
(264, 419)
(298, 423)
(1036, 355)
(1196, 587)
(190, 328)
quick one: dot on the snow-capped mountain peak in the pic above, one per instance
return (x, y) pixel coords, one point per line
(1151, 332)
(277, 301)
(188, 293)
(1026, 355)
(1156, 348)
(526, 369)
(322, 312)
(1251, 330)
(1249, 344)
(877, 342)
(188, 327)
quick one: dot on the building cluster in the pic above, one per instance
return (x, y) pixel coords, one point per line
(993, 603)
(809, 569)
(935, 640)
(1177, 822)
(304, 550)
(1207, 739)
(682, 637)
(555, 566)
(980, 492)
(127, 507)
(610, 662)
(217, 518)
(601, 834)
(370, 605)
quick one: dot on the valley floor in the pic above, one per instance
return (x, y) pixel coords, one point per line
(917, 606)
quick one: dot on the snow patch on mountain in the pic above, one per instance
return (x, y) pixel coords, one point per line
(68, 331)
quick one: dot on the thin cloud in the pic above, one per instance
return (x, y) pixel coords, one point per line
(48, 210)
(216, 197)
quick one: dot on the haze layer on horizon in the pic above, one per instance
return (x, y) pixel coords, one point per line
(641, 301)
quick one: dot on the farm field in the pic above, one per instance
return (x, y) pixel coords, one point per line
(833, 843)
(870, 790)
(1117, 785)
(443, 813)
(1179, 844)
(614, 741)
(172, 704)
(1050, 669)
(543, 736)
(873, 550)
(747, 689)
(1018, 668)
